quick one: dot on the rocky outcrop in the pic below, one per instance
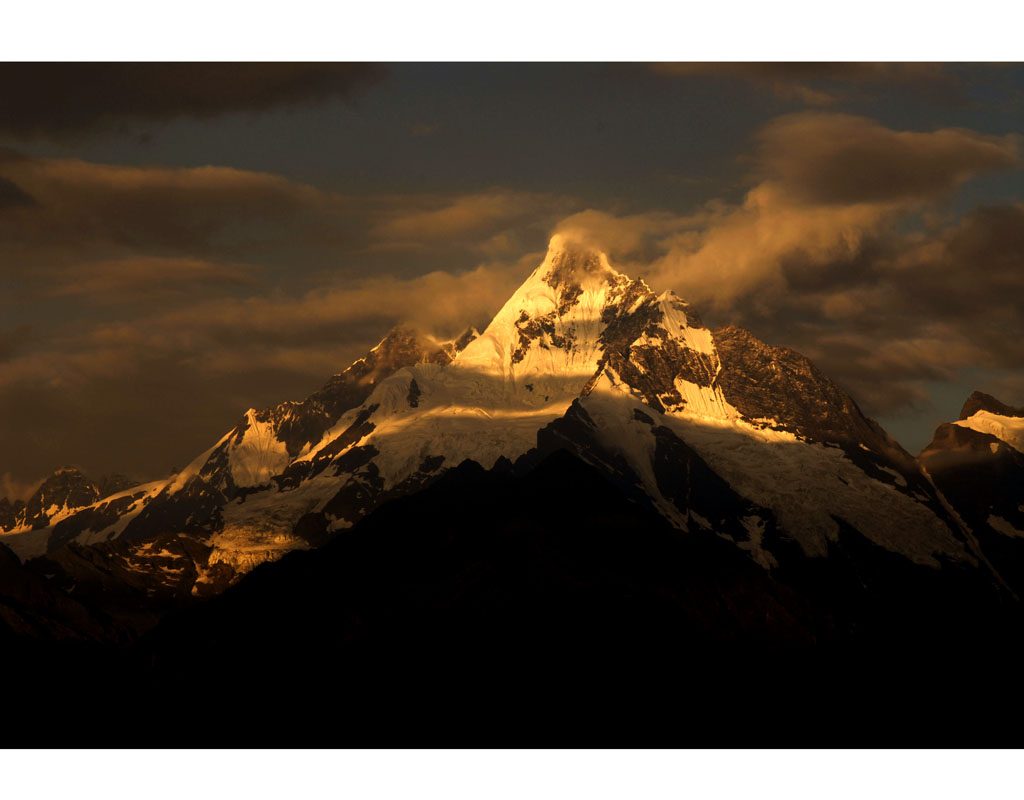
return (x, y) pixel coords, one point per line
(766, 382)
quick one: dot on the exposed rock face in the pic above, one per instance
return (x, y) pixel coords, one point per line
(766, 382)
(979, 401)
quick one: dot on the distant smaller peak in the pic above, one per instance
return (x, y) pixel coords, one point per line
(979, 401)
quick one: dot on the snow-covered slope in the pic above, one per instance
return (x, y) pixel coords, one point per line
(1006, 429)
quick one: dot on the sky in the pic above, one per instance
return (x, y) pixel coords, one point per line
(181, 242)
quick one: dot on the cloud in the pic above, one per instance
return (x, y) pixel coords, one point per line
(821, 83)
(129, 279)
(830, 186)
(745, 249)
(64, 100)
(492, 211)
(420, 129)
(438, 302)
(314, 334)
(85, 211)
(11, 340)
(625, 236)
(83, 204)
(14, 489)
(12, 195)
(841, 159)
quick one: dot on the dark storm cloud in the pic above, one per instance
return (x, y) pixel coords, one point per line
(12, 195)
(63, 100)
(839, 158)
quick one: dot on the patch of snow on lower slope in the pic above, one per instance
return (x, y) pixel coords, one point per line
(804, 484)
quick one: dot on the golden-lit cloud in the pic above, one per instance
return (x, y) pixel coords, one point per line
(467, 214)
(829, 159)
(827, 185)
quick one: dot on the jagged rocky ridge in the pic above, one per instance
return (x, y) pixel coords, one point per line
(59, 496)
(715, 432)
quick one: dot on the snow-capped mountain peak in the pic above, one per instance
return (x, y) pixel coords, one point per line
(63, 492)
(717, 431)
